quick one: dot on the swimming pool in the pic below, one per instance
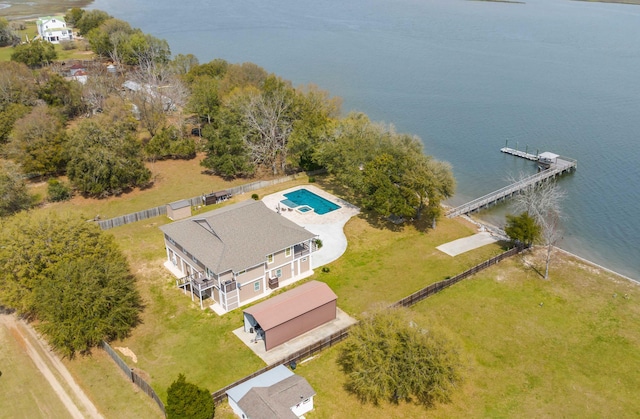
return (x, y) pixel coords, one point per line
(305, 198)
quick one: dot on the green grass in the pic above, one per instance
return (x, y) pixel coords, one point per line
(23, 390)
(380, 265)
(110, 389)
(177, 337)
(574, 355)
(172, 180)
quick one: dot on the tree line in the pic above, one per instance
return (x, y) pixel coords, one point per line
(247, 122)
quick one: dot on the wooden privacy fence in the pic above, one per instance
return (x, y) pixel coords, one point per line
(135, 378)
(439, 286)
(197, 200)
(220, 395)
(132, 218)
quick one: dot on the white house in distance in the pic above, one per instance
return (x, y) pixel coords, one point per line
(54, 29)
(275, 394)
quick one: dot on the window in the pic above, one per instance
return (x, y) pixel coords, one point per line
(278, 273)
(270, 258)
(287, 252)
(256, 286)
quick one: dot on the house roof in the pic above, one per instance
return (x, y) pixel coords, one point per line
(265, 379)
(276, 400)
(548, 155)
(236, 237)
(291, 304)
(45, 19)
(180, 204)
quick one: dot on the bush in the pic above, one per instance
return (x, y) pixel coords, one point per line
(67, 45)
(255, 197)
(58, 191)
(186, 400)
(326, 269)
(318, 243)
(388, 357)
(312, 179)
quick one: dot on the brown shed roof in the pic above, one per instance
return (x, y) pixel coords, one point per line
(291, 304)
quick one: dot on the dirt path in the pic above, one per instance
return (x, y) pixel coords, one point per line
(56, 374)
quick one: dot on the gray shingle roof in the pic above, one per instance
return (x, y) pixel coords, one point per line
(236, 237)
(179, 204)
(276, 400)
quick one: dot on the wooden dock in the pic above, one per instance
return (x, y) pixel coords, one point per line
(518, 153)
(558, 167)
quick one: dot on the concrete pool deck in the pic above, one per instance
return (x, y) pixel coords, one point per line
(329, 227)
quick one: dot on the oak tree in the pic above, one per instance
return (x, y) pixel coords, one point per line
(70, 276)
(105, 160)
(14, 195)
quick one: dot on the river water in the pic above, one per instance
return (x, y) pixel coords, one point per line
(466, 77)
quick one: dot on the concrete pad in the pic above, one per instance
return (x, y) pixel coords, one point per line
(329, 227)
(465, 244)
(280, 352)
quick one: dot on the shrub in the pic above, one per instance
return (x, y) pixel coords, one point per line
(255, 197)
(186, 400)
(312, 179)
(326, 269)
(67, 45)
(58, 191)
(388, 357)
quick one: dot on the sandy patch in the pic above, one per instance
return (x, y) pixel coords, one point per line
(128, 352)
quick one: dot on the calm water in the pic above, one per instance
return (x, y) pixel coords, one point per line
(466, 77)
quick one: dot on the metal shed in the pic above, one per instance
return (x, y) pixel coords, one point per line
(290, 314)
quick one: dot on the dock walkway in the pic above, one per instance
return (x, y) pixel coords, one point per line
(558, 167)
(518, 153)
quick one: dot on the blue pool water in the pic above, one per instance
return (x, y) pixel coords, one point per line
(304, 197)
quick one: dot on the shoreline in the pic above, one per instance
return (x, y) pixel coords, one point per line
(38, 8)
(493, 229)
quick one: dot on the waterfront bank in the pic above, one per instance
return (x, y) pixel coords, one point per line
(17, 9)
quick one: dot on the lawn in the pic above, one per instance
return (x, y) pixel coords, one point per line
(172, 180)
(177, 337)
(23, 390)
(566, 347)
(521, 358)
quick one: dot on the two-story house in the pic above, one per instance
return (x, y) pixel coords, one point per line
(237, 254)
(54, 29)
